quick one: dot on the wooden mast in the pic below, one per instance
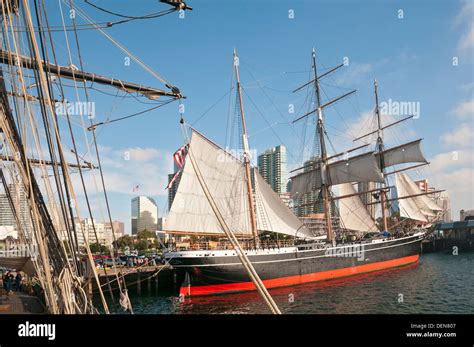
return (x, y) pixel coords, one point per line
(323, 163)
(380, 149)
(245, 142)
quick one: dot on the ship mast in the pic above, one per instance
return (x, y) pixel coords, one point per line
(245, 142)
(380, 149)
(320, 132)
(324, 160)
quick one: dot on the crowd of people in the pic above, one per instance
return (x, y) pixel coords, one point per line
(12, 282)
(141, 261)
(128, 261)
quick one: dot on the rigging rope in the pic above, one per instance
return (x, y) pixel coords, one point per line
(117, 44)
(93, 126)
(131, 18)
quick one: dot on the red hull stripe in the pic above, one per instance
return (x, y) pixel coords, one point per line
(298, 279)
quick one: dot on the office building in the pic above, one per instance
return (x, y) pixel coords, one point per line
(144, 214)
(272, 165)
(20, 202)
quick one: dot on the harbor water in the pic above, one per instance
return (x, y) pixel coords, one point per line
(439, 283)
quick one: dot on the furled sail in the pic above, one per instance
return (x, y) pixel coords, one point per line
(361, 168)
(406, 153)
(352, 212)
(273, 215)
(421, 207)
(225, 177)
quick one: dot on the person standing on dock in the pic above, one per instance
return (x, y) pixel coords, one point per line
(8, 282)
(18, 280)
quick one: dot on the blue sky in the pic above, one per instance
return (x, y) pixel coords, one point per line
(411, 57)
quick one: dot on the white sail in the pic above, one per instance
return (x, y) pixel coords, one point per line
(406, 153)
(421, 207)
(361, 168)
(273, 215)
(352, 212)
(224, 175)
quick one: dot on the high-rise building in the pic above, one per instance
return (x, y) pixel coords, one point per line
(444, 201)
(144, 214)
(20, 202)
(368, 198)
(272, 166)
(6, 214)
(422, 184)
(90, 231)
(310, 202)
(118, 228)
(161, 223)
(173, 189)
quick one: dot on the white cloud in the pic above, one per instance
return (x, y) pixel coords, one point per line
(126, 168)
(465, 20)
(142, 154)
(462, 136)
(448, 161)
(460, 185)
(464, 110)
(454, 170)
(354, 73)
(467, 87)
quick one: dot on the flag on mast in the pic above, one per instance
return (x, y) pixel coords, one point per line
(179, 157)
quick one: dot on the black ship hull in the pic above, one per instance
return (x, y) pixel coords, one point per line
(220, 272)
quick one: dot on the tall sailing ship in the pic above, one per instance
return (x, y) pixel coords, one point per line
(38, 132)
(219, 191)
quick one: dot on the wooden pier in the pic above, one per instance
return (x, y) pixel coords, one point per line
(160, 276)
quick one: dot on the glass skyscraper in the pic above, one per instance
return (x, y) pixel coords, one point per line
(144, 214)
(272, 165)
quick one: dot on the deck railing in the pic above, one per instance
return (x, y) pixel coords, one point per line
(245, 244)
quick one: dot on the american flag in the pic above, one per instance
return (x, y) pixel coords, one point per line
(136, 188)
(170, 184)
(179, 157)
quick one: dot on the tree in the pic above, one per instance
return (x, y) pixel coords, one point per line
(125, 241)
(145, 234)
(142, 245)
(98, 248)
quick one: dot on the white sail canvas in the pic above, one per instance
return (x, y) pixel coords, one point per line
(361, 168)
(273, 215)
(352, 212)
(406, 153)
(224, 175)
(421, 207)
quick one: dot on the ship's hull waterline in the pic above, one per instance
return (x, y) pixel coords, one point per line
(220, 272)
